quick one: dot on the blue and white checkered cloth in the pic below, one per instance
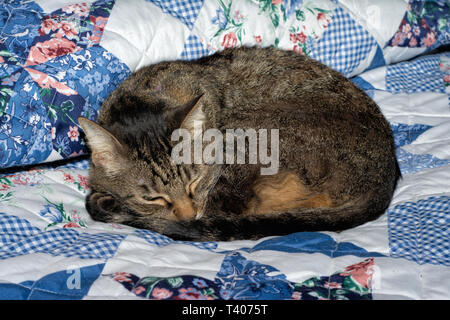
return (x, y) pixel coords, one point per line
(18, 237)
(420, 75)
(344, 45)
(184, 10)
(420, 231)
(194, 49)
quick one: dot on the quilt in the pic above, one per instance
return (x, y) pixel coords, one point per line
(61, 59)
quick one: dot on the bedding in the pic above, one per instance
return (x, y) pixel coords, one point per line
(61, 59)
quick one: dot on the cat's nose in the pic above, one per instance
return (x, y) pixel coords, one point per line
(183, 208)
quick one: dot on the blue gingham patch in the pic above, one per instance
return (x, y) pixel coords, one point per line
(420, 231)
(184, 10)
(420, 75)
(160, 240)
(13, 229)
(18, 237)
(193, 49)
(344, 44)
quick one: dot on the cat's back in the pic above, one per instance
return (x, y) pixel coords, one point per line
(248, 84)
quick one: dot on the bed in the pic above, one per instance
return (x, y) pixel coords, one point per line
(61, 59)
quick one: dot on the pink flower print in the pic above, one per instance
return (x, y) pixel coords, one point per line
(298, 37)
(258, 39)
(75, 216)
(68, 177)
(44, 51)
(80, 9)
(413, 42)
(332, 285)
(71, 225)
(323, 20)
(238, 16)
(122, 277)
(296, 295)
(430, 39)
(447, 78)
(416, 31)
(67, 29)
(301, 37)
(99, 25)
(138, 290)
(397, 39)
(161, 293)
(46, 81)
(191, 294)
(73, 133)
(83, 181)
(406, 28)
(276, 2)
(298, 49)
(48, 25)
(4, 187)
(361, 272)
(21, 180)
(293, 37)
(75, 154)
(229, 40)
(423, 23)
(99, 22)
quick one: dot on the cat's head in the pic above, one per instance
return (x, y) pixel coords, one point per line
(131, 160)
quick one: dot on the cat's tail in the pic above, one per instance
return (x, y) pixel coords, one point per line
(226, 227)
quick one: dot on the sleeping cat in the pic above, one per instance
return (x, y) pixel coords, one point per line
(336, 157)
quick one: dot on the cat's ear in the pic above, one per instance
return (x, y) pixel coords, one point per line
(106, 149)
(190, 114)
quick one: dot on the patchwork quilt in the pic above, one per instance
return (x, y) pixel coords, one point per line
(60, 59)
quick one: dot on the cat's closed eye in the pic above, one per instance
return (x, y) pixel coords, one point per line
(157, 200)
(149, 198)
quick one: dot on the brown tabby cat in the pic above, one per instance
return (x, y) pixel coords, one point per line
(337, 165)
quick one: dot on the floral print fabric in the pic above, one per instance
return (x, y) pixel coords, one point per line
(242, 279)
(52, 70)
(425, 24)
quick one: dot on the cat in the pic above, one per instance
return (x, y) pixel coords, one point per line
(337, 167)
